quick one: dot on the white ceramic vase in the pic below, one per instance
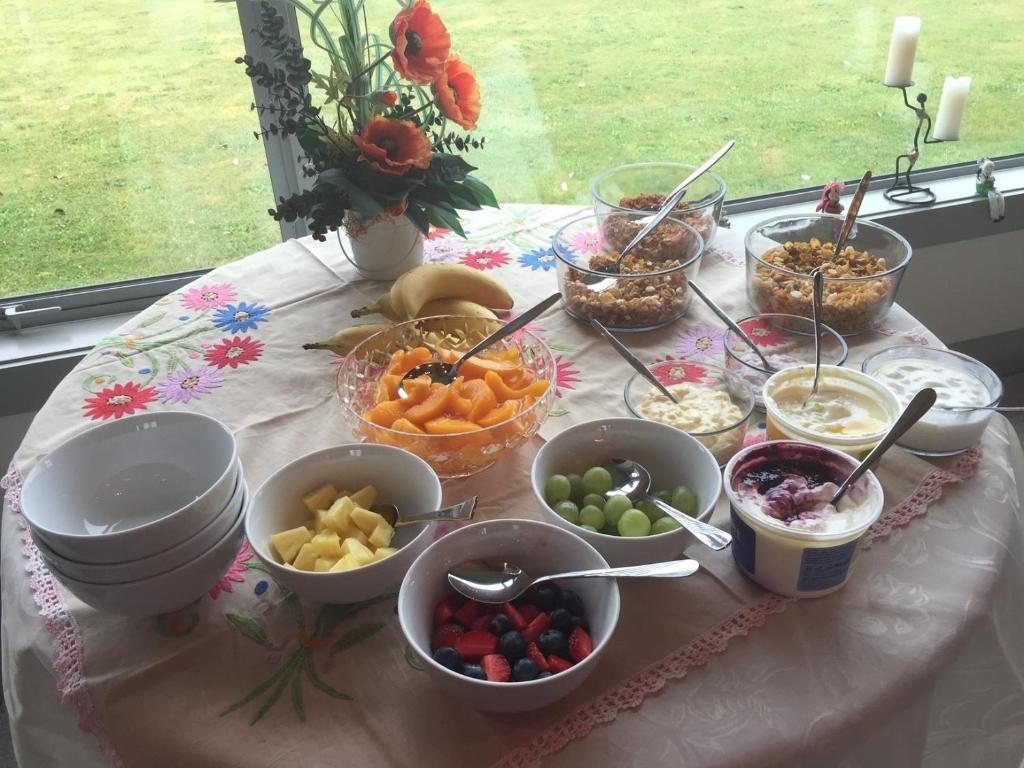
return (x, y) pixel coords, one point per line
(383, 248)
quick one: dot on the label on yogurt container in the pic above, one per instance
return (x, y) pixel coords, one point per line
(744, 543)
(825, 567)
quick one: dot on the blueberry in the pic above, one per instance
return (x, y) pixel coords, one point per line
(474, 670)
(572, 602)
(543, 674)
(579, 621)
(524, 670)
(547, 597)
(559, 619)
(511, 645)
(500, 624)
(553, 641)
(447, 656)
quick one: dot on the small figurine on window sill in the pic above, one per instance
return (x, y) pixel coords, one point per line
(985, 185)
(830, 195)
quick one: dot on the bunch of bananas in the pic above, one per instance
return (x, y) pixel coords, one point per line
(425, 291)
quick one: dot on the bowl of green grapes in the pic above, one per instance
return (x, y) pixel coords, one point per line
(575, 491)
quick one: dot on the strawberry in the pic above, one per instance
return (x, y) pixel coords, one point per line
(528, 612)
(468, 613)
(535, 627)
(483, 621)
(558, 664)
(490, 609)
(580, 644)
(514, 616)
(445, 610)
(496, 668)
(446, 634)
(474, 645)
(534, 654)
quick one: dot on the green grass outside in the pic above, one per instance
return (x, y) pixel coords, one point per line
(126, 145)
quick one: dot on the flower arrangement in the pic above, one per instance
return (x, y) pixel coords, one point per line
(381, 139)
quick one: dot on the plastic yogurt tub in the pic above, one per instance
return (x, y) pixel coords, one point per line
(850, 413)
(957, 379)
(803, 557)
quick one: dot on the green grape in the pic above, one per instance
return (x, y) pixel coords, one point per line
(664, 525)
(597, 480)
(594, 500)
(610, 529)
(634, 523)
(557, 488)
(592, 516)
(650, 509)
(576, 494)
(615, 506)
(590, 528)
(665, 496)
(684, 500)
(568, 510)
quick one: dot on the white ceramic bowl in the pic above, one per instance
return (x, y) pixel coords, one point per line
(540, 549)
(670, 455)
(133, 570)
(130, 488)
(402, 479)
(166, 592)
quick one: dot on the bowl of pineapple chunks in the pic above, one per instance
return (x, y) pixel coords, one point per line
(313, 526)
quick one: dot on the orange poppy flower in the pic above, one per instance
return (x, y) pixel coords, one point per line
(393, 146)
(421, 43)
(458, 93)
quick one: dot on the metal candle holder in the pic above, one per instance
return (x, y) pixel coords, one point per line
(903, 189)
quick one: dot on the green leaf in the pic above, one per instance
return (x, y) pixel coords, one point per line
(416, 215)
(265, 685)
(360, 199)
(354, 636)
(270, 701)
(310, 140)
(445, 167)
(561, 348)
(152, 319)
(481, 191)
(442, 218)
(251, 628)
(300, 708)
(463, 199)
(332, 615)
(319, 683)
(125, 360)
(411, 659)
(559, 412)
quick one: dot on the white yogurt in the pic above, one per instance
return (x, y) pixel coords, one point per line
(702, 412)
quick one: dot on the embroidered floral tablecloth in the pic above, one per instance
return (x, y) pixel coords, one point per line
(250, 676)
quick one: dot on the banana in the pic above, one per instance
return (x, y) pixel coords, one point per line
(461, 307)
(380, 307)
(444, 281)
(345, 340)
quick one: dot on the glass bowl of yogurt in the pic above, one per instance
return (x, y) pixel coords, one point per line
(787, 535)
(786, 341)
(959, 381)
(850, 413)
(714, 404)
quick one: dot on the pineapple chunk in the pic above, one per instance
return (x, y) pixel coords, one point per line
(365, 520)
(359, 536)
(346, 563)
(327, 544)
(288, 543)
(364, 497)
(381, 536)
(337, 517)
(321, 498)
(383, 552)
(306, 558)
(359, 551)
(324, 564)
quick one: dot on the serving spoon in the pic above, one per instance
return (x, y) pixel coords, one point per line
(916, 408)
(733, 325)
(503, 582)
(632, 480)
(817, 289)
(851, 215)
(445, 373)
(456, 513)
(634, 361)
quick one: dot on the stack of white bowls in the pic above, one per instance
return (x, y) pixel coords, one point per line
(142, 515)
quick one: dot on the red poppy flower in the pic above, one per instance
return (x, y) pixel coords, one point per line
(118, 400)
(384, 98)
(458, 93)
(234, 352)
(421, 43)
(398, 210)
(393, 146)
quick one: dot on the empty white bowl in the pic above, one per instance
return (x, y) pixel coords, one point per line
(133, 570)
(670, 455)
(402, 479)
(166, 592)
(128, 489)
(540, 549)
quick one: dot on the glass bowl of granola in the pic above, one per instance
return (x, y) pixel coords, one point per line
(860, 283)
(651, 288)
(644, 187)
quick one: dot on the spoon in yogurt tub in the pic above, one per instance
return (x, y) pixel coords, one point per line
(916, 408)
(634, 361)
(817, 289)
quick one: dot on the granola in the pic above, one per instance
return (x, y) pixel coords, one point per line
(699, 218)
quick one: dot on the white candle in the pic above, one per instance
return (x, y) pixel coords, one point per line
(951, 108)
(902, 48)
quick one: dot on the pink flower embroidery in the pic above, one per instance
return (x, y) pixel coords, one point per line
(208, 296)
(485, 258)
(236, 573)
(443, 250)
(677, 371)
(436, 233)
(567, 376)
(188, 384)
(588, 242)
(702, 343)
(764, 333)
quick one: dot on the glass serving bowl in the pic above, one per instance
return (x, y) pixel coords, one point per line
(451, 455)
(786, 340)
(851, 303)
(638, 187)
(723, 439)
(649, 292)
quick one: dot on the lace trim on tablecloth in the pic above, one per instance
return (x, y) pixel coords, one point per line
(63, 629)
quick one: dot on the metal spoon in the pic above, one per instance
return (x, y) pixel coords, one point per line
(505, 582)
(916, 408)
(851, 214)
(818, 287)
(634, 481)
(996, 408)
(396, 519)
(445, 373)
(634, 361)
(733, 325)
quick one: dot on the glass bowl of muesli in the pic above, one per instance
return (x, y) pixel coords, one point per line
(644, 187)
(860, 283)
(651, 288)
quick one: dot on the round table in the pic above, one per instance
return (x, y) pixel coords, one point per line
(916, 661)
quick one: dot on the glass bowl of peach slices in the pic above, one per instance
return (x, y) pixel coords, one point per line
(499, 401)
